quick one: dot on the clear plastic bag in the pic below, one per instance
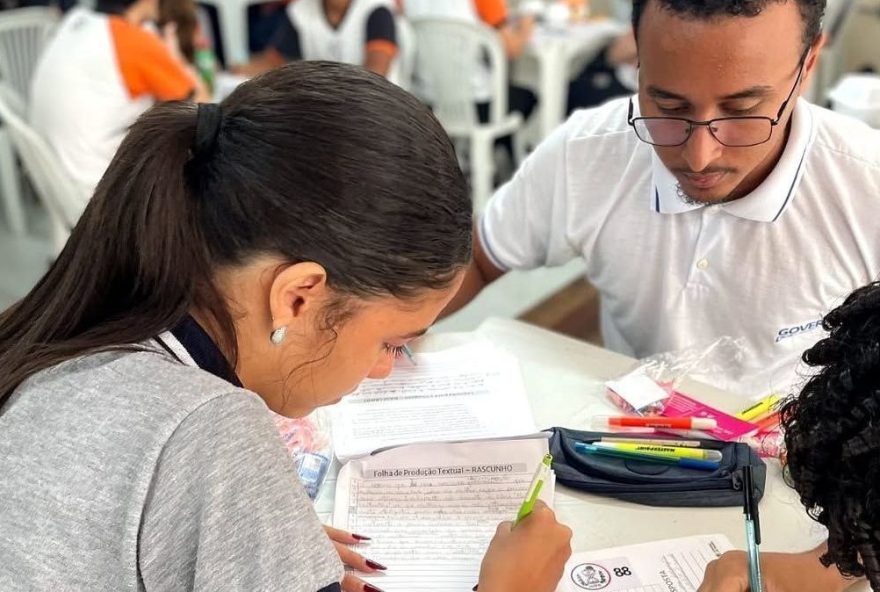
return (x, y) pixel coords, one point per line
(707, 364)
(309, 443)
(634, 393)
(704, 363)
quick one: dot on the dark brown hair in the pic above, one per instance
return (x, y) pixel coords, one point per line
(312, 162)
(183, 13)
(811, 11)
(832, 435)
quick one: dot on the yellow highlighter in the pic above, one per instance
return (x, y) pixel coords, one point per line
(665, 451)
(763, 407)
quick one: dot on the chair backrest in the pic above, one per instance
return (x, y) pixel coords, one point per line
(452, 58)
(23, 35)
(406, 41)
(836, 13)
(60, 195)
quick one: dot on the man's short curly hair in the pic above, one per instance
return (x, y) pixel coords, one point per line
(811, 11)
(832, 435)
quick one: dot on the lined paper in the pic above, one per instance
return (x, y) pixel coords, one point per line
(468, 392)
(431, 509)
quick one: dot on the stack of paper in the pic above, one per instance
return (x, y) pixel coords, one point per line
(468, 392)
(675, 565)
(431, 509)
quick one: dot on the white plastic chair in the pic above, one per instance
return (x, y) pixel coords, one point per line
(57, 191)
(448, 57)
(828, 66)
(23, 34)
(406, 41)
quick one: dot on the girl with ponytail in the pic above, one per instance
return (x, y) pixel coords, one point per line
(270, 251)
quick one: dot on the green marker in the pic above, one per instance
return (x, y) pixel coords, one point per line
(535, 488)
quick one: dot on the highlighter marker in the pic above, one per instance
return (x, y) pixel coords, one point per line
(663, 423)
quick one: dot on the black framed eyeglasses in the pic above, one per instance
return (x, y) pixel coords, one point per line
(734, 132)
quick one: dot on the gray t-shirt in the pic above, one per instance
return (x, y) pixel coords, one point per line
(132, 471)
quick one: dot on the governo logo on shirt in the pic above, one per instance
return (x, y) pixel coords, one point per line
(795, 330)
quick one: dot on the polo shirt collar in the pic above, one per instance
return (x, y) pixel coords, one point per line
(767, 202)
(203, 351)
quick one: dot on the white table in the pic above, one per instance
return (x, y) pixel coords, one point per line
(547, 63)
(564, 379)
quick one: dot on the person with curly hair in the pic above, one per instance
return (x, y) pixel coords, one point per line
(712, 203)
(832, 437)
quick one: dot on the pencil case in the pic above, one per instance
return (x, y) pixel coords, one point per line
(653, 484)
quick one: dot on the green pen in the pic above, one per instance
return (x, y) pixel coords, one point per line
(534, 491)
(535, 488)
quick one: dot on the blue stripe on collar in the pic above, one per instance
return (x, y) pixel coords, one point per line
(794, 182)
(203, 350)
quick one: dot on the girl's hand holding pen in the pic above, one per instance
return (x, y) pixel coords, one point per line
(528, 558)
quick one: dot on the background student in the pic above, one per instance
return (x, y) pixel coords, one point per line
(358, 32)
(211, 278)
(101, 70)
(714, 203)
(832, 437)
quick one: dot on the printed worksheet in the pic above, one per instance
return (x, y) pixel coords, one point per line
(675, 565)
(431, 509)
(467, 392)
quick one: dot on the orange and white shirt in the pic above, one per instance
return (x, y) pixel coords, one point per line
(97, 75)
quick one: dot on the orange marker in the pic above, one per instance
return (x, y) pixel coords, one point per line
(769, 423)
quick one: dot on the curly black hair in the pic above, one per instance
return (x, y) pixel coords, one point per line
(811, 11)
(832, 435)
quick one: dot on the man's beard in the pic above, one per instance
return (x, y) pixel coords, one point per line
(691, 201)
(687, 198)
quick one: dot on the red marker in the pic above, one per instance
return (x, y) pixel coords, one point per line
(660, 423)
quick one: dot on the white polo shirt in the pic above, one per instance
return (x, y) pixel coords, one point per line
(672, 275)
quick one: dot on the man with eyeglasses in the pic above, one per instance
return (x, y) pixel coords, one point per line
(715, 203)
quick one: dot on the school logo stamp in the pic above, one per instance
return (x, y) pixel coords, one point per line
(611, 575)
(590, 576)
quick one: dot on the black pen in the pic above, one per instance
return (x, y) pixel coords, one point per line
(753, 531)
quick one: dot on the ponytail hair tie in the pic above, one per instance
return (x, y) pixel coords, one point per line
(208, 120)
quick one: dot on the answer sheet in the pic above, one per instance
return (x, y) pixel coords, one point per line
(431, 509)
(467, 392)
(675, 565)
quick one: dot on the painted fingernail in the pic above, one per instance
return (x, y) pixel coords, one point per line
(361, 537)
(373, 565)
(372, 588)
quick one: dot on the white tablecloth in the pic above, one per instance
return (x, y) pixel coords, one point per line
(564, 379)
